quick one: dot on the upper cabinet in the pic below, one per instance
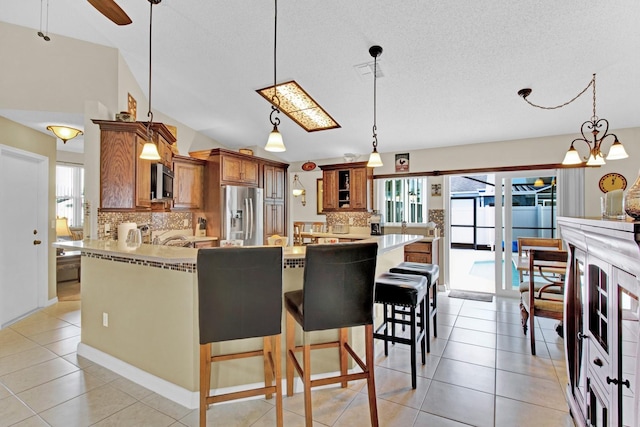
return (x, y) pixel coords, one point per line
(346, 187)
(125, 179)
(237, 170)
(230, 167)
(187, 183)
(226, 167)
(274, 182)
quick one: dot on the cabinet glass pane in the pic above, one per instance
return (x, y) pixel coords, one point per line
(344, 187)
(598, 297)
(629, 315)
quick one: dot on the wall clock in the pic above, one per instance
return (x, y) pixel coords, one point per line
(612, 181)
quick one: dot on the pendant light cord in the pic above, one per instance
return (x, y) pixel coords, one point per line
(375, 78)
(275, 121)
(150, 113)
(591, 83)
(47, 27)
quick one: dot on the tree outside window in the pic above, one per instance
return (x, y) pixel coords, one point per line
(70, 194)
(403, 199)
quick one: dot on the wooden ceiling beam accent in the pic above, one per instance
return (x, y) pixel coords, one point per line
(477, 170)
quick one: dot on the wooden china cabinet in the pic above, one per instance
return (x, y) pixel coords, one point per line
(601, 325)
(346, 187)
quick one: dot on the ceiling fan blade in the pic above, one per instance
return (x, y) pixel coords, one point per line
(111, 10)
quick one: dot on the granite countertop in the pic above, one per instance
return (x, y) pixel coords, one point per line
(180, 255)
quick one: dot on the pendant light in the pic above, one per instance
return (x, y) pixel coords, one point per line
(150, 150)
(374, 159)
(592, 126)
(275, 143)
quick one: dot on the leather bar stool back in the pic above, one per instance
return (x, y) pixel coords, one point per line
(337, 293)
(240, 296)
(432, 273)
(404, 294)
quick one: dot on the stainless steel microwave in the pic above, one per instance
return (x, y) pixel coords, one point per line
(161, 182)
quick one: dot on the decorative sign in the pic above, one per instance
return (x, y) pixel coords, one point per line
(132, 106)
(402, 162)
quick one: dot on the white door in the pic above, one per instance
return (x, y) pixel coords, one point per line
(23, 233)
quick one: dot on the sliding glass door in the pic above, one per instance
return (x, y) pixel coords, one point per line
(487, 214)
(527, 208)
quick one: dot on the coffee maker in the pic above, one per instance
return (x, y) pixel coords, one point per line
(377, 223)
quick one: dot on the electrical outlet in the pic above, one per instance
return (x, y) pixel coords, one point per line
(185, 222)
(105, 320)
(107, 229)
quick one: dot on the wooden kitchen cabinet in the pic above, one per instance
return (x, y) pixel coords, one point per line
(125, 179)
(188, 182)
(274, 219)
(236, 170)
(204, 244)
(424, 252)
(274, 184)
(346, 186)
(226, 167)
(164, 139)
(329, 190)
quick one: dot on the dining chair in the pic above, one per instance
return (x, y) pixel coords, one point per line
(548, 299)
(298, 229)
(525, 244)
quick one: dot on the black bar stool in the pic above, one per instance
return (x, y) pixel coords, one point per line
(403, 290)
(337, 293)
(432, 273)
(240, 296)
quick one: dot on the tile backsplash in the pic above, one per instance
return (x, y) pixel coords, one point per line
(359, 218)
(156, 220)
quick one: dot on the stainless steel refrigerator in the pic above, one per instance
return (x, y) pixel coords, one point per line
(242, 214)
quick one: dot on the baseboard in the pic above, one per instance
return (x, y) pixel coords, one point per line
(52, 301)
(180, 395)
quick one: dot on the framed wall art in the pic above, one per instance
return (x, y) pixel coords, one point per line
(402, 162)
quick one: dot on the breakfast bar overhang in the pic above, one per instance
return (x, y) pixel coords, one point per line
(140, 315)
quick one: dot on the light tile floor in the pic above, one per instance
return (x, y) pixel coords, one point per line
(479, 372)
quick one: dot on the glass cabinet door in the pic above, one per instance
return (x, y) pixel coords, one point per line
(580, 357)
(628, 330)
(598, 304)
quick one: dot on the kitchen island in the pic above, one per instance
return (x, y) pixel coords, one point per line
(140, 315)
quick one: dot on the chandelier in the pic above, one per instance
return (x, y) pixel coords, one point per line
(594, 126)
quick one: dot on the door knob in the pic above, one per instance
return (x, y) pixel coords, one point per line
(37, 242)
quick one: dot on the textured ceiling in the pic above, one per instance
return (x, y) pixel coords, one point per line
(451, 69)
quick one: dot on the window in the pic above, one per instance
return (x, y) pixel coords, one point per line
(403, 199)
(70, 193)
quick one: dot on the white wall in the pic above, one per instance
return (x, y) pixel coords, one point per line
(523, 152)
